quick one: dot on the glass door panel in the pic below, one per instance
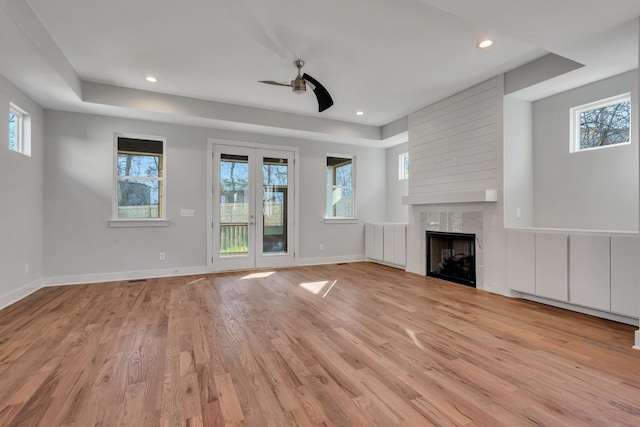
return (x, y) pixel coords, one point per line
(234, 207)
(275, 231)
(275, 174)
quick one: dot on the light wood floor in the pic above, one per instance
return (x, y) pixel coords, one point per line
(356, 344)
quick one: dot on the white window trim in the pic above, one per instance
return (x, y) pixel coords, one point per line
(401, 158)
(116, 222)
(23, 130)
(342, 219)
(574, 137)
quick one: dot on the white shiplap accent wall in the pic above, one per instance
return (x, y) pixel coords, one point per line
(454, 144)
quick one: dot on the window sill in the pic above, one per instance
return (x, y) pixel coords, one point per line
(130, 223)
(341, 220)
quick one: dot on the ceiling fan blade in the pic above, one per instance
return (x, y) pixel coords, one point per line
(324, 99)
(271, 82)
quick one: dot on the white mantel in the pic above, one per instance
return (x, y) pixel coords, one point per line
(467, 196)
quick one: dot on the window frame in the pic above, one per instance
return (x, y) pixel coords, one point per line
(23, 130)
(161, 220)
(328, 204)
(575, 112)
(403, 173)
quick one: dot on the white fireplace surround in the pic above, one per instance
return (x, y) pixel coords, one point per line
(484, 219)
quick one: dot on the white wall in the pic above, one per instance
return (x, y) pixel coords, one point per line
(518, 163)
(396, 211)
(20, 202)
(595, 190)
(78, 199)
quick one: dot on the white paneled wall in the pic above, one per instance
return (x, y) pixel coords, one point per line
(455, 143)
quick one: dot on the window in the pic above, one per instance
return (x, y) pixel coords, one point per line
(403, 166)
(601, 124)
(340, 187)
(139, 192)
(19, 130)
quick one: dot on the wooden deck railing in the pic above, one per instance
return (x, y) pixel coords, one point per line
(234, 239)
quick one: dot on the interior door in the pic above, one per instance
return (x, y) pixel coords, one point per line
(253, 208)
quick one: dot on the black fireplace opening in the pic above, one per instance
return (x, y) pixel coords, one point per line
(452, 256)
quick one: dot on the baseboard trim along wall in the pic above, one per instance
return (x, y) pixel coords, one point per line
(81, 279)
(17, 294)
(584, 310)
(330, 260)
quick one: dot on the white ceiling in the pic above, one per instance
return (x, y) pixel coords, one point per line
(388, 58)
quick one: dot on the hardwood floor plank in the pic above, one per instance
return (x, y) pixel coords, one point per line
(334, 345)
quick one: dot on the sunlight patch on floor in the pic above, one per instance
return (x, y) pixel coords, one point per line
(258, 275)
(317, 287)
(330, 287)
(313, 287)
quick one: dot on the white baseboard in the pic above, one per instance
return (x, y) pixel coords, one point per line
(81, 279)
(388, 264)
(584, 310)
(17, 294)
(329, 260)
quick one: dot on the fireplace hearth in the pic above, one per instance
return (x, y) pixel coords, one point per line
(451, 256)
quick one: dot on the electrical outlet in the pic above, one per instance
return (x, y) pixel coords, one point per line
(163, 256)
(518, 212)
(321, 247)
(26, 268)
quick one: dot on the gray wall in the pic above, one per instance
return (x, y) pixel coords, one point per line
(20, 202)
(518, 164)
(396, 211)
(595, 189)
(79, 186)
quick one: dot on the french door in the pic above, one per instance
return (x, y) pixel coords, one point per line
(253, 207)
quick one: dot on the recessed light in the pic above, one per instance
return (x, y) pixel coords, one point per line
(485, 43)
(151, 79)
(359, 113)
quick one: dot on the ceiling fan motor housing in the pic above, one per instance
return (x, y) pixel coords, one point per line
(299, 85)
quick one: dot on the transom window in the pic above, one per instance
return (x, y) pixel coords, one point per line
(140, 178)
(19, 130)
(601, 124)
(340, 187)
(403, 166)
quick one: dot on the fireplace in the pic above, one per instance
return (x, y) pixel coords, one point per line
(451, 256)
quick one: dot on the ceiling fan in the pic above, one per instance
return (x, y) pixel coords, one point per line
(299, 85)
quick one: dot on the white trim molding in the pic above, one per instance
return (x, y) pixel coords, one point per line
(330, 260)
(17, 294)
(81, 279)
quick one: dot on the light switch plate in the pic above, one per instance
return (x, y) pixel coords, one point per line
(187, 212)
